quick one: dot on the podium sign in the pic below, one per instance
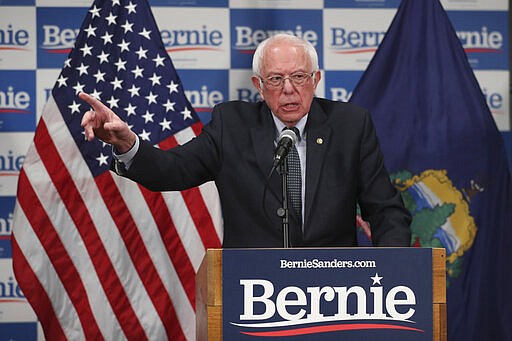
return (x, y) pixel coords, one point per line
(328, 294)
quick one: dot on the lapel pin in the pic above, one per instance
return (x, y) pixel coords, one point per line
(319, 140)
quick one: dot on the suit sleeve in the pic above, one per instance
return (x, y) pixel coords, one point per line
(381, 204)
(182, 167)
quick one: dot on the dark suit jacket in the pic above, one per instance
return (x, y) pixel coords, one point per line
(344, 166)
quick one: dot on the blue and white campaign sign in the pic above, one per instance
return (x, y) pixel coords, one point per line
(340, 84)
(484, 38)
(211, 43)
(6, 216)
(56, 33)
(17, 101)
(251, 27)
(330, 294)
(204, 89)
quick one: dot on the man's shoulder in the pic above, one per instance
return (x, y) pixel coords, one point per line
(339, 112)
(329, 106)
(240, 112)
(237, 105)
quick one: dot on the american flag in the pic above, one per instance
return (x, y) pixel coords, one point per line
(97, 255)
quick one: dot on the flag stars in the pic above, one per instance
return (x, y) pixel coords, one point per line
(166, 125)
(169, 106)
(127, 27)
(107, 38)
(121, 64)
(78, 88)
(74, 107)
(155, 79)
(145, 33)
(173, 87)
(91, 31)
(124, 46)
(102, 160)
(151, 97)
(159, 60)
(103, 57)
(112, 102)
(134, 91)
(111, 19)
(86, 50)
(95, 11)
(145, 135)
(186, 114)
(130, 109)
(99, 76)
(131, 8)
(137, 72)
(82, 69)
(96, 94)
(148, 117)
(376, 279)
(141, 53)
(62, 80)
(116, 83)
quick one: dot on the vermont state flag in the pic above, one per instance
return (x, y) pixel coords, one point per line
(446, 156)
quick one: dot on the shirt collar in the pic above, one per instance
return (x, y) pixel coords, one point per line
(300, 125)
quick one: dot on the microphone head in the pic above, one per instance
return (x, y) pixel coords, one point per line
(287, 138)
(291, 133)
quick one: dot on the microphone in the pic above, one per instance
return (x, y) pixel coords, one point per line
(287, 138)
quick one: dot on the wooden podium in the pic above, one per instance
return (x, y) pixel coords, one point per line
(209, 287)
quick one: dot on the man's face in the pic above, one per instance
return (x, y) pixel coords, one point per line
(289, 102)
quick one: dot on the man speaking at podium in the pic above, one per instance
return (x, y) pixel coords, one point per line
(339, 162)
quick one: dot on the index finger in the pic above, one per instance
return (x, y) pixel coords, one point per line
(93, 102)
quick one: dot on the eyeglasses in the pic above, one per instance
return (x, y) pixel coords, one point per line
(277, 81)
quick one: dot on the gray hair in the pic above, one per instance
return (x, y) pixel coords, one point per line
(308, 49)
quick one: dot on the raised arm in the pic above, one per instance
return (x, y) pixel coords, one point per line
(103, 123)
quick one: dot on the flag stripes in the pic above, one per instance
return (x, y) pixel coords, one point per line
(78, 203)
(99, 256)
(139, 254)
(43, 303)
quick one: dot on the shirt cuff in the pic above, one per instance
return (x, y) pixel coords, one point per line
(127, 158)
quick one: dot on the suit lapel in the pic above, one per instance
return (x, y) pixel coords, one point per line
(263, 135)
(318, 137)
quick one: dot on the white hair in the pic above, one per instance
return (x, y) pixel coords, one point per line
(259, 53)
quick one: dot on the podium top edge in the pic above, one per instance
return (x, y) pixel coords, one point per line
(328, 248)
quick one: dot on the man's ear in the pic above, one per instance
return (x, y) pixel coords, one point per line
(318, 76)
(256, 81)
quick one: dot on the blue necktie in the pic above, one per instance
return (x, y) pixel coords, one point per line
(295, 180)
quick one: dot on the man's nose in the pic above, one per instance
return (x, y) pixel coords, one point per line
(288, 85)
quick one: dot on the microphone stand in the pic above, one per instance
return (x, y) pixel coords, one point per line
(283, 211)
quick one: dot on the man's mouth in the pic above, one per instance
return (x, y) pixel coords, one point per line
(290, 106)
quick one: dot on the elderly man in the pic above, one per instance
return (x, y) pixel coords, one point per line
(341, 164)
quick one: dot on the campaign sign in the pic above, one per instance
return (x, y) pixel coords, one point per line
(205, 89)
(57, 29)
(249, 27)
(17, 100)
(190, 3)
(18, 330)
(6, 217)
(362, 4)
(328, 294)
(340, 84)
(484, 38)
